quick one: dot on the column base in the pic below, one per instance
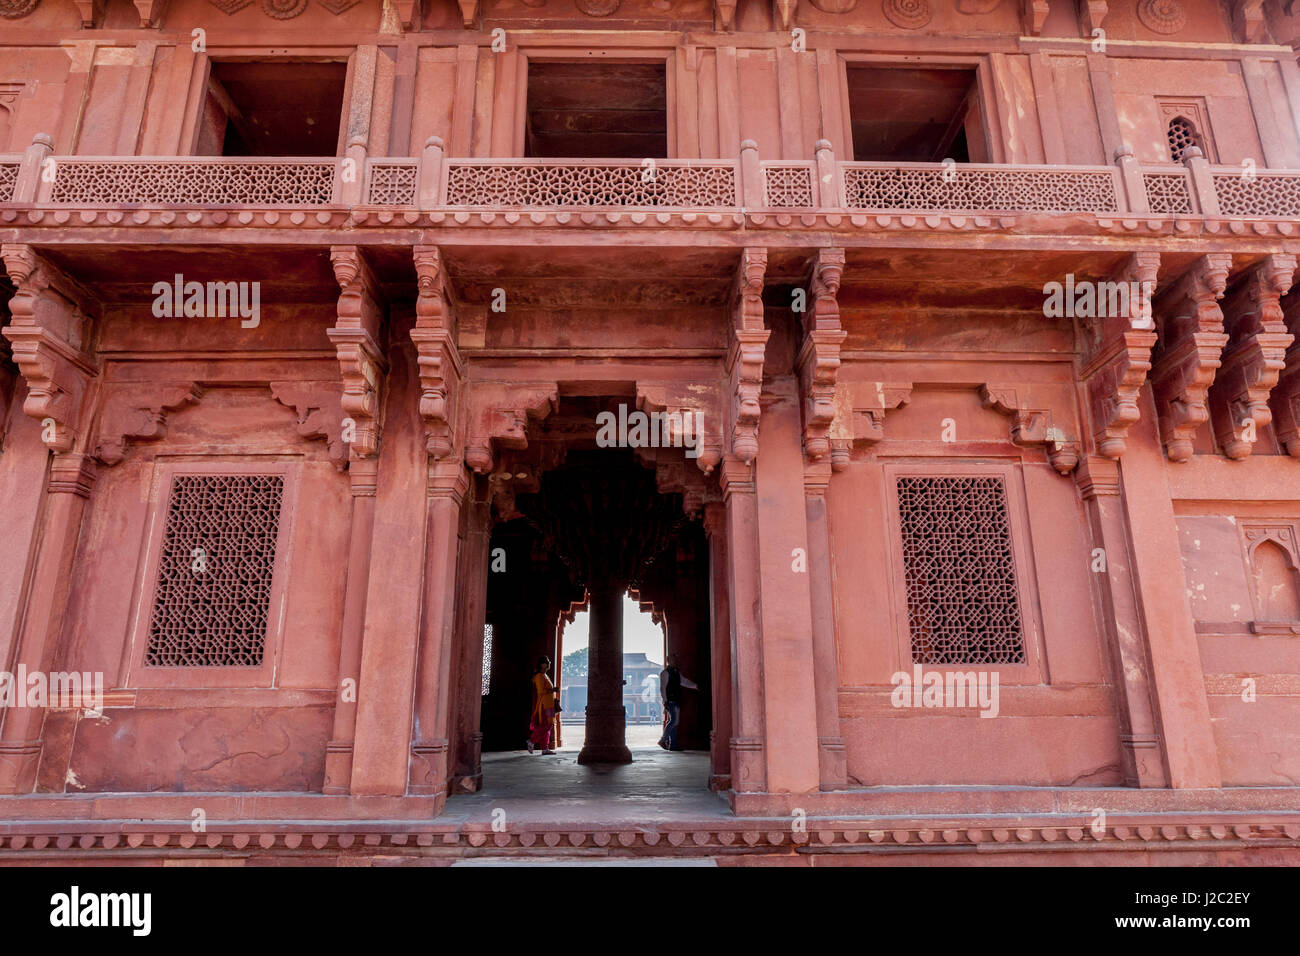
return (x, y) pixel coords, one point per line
(605, 753)
(832, 763)
(18, 763)
(338, 768)
(428, 768)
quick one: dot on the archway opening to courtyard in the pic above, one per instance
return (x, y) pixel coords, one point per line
(592, 535)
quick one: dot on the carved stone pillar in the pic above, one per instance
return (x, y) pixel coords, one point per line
(49, 330)
(715, 526)
(471, 610)
(1112, 567)
(831, 760)
(748, 760)
(606, 740)
(357, 337)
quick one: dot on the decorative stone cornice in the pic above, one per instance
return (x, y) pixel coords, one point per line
(1032, 426)
(439, 360)
(1254, 355)
(1033, 13)
(357, 335)
(1116, 356)
(818, 361)
(138, 413)
(1187, 353)
(320, 414)
(746, 353)
(49, 333)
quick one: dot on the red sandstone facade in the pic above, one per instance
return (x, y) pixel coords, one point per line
(824, 228)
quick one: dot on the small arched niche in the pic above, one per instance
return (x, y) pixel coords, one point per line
(1276, 586)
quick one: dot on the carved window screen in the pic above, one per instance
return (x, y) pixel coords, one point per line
(1182, 134)
(217, 561)
(963, 602)
(1187, 123)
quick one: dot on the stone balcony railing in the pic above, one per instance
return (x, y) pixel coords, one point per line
(433, 181)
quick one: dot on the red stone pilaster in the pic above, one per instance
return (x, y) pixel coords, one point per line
(831, 760)
(715, 526)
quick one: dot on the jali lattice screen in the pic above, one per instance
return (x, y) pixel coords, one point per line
(959, 564)
(214, 575)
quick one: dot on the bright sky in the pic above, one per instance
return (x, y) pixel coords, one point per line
(639, 633)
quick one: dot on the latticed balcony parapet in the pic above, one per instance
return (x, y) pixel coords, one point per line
(40, 188)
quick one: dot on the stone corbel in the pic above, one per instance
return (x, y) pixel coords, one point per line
(439, 359)
(1255, 354)
(818, 362)
(1117, 356)
(1285, 398)
(468, 12)
(1187, 353)
(706, 428)
(1032, 15)
(151, 13)
(1032, 426)
(674, 477)
(859, 420)
(784, 12)
(1092, 15)
(1248, 21)
(726, 13)
(320, 414)
(408, 13)
(356, 335)
(138, 413)
(746, 353)
(48, 327)
(90, 11)
(499, 416)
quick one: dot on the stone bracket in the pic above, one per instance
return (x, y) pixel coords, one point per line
(138, 412)
(49, 322)
(439, 359)
(688, 400)
(468, 12)
(499, 416)
(151, 13)
(1092, 15)
(783, 13)
(746, 353)
(408, 13)
(1031, 427)
(1186, 356)
(1285, 398)
(1248, 23)
(860, 415)
(1033, 13)
(818, 361)
(1254, 356)
(1117, 357)
(320, 414)
(356, 335)
(91, 12)
(726, 13)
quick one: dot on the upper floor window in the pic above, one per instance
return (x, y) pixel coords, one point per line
(606, 110)
(915, 115)
(272, 109)
(1182, 135)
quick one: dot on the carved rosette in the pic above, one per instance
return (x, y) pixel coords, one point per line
(598, 8)
(46, 330)
(356, 335)
(908, 14)
(1162, 16)
(818, 362)
(138, 413)
(1117, 357)
(1187, 353)
(13, 9)
(1032, 427)
(284, 9)
(745, 356)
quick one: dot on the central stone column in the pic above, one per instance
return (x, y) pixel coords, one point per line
(606, 740)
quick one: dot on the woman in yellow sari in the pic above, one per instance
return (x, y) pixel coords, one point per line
(541, 725)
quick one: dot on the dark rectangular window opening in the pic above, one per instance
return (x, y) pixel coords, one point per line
(272, 109)
(597, 111)
(915, 115)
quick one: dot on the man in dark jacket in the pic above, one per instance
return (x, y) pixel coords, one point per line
(671, 683)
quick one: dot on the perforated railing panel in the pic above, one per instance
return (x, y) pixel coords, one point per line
(559, 184)
(1259, 194)
(1013, 190)
(207, 183)
(8, 179)
(1168, 192)
(788, 186)
(213, 589)
(392, 184)
(959, 564)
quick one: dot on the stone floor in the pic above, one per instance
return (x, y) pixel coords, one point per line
(656, 786)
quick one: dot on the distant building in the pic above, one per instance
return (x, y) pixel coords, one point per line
(641, 700)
